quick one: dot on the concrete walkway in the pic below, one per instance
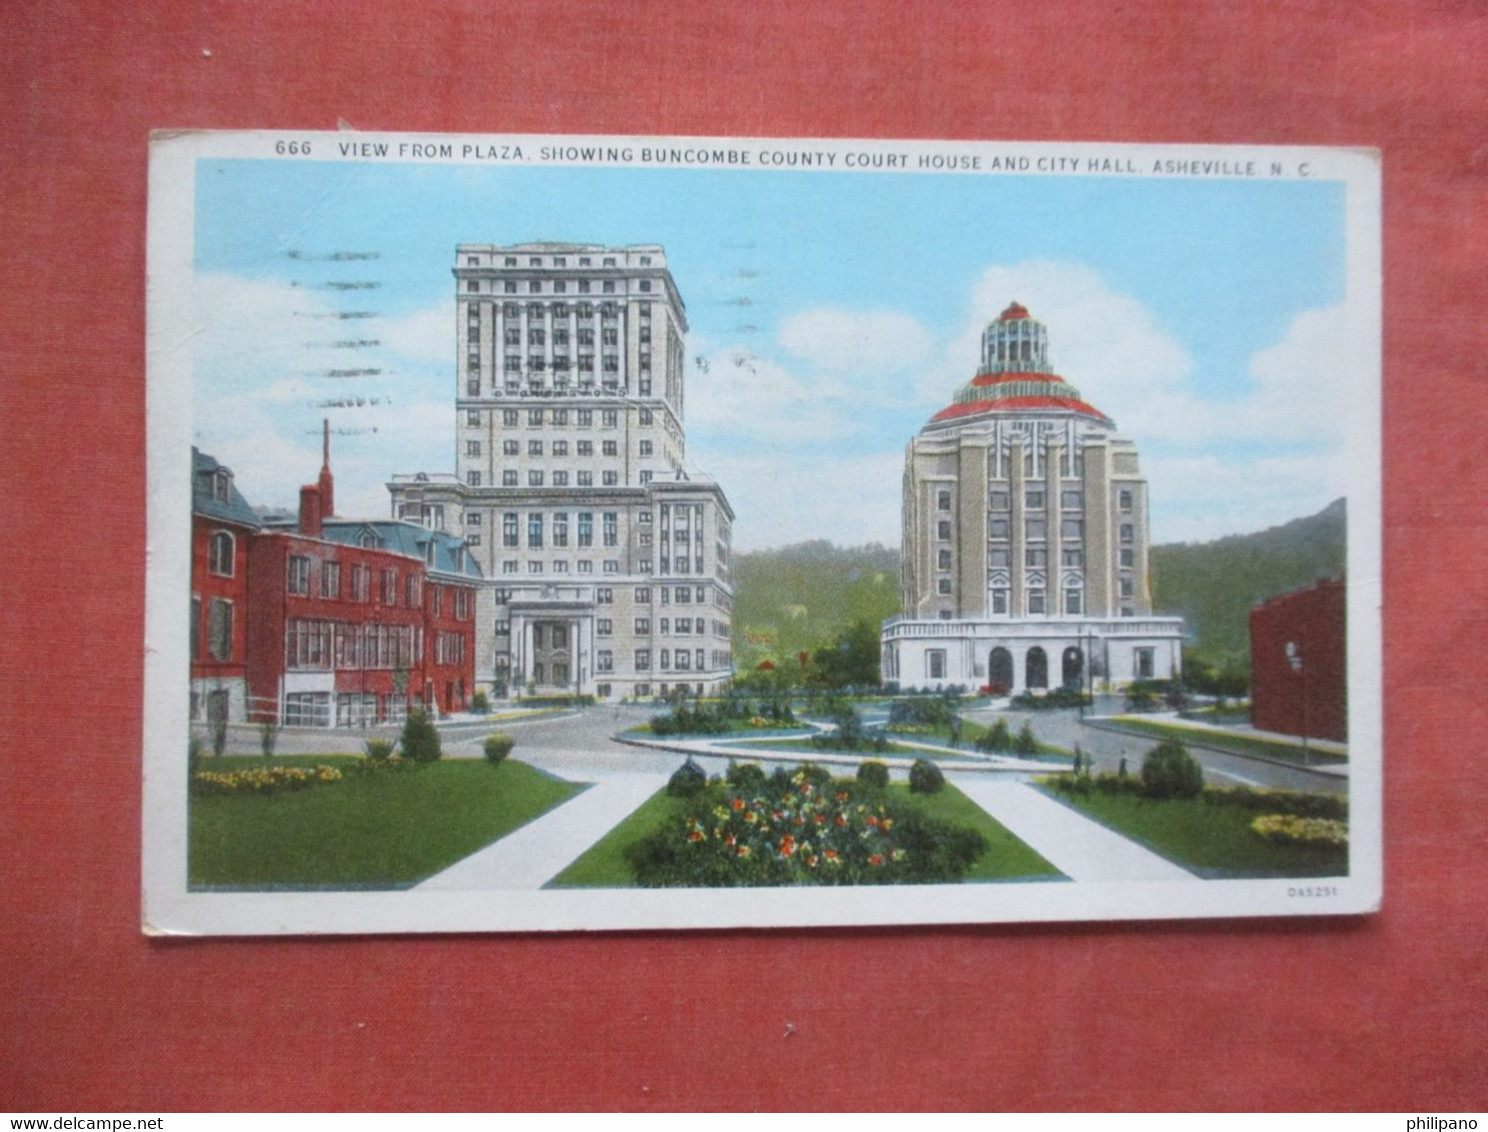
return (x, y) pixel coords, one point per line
(540, 850)
(1082, 849)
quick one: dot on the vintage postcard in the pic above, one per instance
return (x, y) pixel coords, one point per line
(581, 533)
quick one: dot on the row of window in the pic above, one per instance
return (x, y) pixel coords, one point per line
(323, 645)
(608, 310)
(611, 385)
(1034, 498)
(679, 564)
(559, 418)
(554, 286)
(558, 448)
(299, 571)
(679, 595)
(558, 261)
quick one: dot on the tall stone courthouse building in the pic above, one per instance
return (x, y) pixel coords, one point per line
(607, 564)
(1025, 537)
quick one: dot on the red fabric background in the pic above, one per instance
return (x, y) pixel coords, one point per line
(1385, 1012)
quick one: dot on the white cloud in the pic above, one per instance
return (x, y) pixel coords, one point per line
(866, 343)
(1301, 383)
(426, 335)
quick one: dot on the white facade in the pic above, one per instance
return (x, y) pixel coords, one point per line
(607, 564)
(1025, 537)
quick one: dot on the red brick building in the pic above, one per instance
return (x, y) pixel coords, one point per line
(1299, 663)
(222, 529)
(318, 621)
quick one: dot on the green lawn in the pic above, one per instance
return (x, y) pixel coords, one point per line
(387, 829)
(1214, 841)
(1007, 858)
(1239, 744)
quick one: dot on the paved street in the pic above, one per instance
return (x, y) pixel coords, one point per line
(1064, 729)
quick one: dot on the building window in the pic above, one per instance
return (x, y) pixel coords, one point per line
(586, 528)
(1034, 499)
(1143, 665)
(1035, 528)
(473, 479)
(534, 418)
(298, 580)
(1124, 501)
(604, 626)
(943, 529)
(1035, 601)
(642, 662)
(508, 565)
(1128, 557)
(999, 501)
(560, 479)
(1035, 556)
(610, 479)
(1073, 529)
(645, 416)
(586, 448)
(643, 595)
(390, 587)
(1127, 534)
(509, 286)
(611, 448)
(509, 529)
(935, 660)
(1073, 601)
(944, 560)
(1072, 500)
(472, 448)
(608, 418)
(330, 580)
(414, 591)
(604, 595)
(535, 530)
(999, 558)
(611, 528)
(943, 586)
(220, 554)
(584, 479)
(509, 477)
(220, 629)
(604, 660)
(997, 528)
(509, 418)
(1072, 556)
(642, 626)
(999, 600)
(1127, 589)
(645, 448)
(560, 529)
(361, 583)
(534, 479)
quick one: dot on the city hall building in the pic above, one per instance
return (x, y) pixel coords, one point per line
(607, 564)
(1025, 537)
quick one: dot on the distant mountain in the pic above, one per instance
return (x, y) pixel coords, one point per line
(1213, 585)
(799, 597)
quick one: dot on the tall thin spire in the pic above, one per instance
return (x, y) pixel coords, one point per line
(327, 483)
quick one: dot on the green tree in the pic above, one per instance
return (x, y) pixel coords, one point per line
(852, 660)
(1025, 744)
(420, 739)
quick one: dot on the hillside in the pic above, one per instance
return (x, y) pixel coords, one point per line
(799, 597)
(1214, 584)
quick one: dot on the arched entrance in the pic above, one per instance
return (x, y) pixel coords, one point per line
(1038, 668)
(1000, 669)
(1072, 670)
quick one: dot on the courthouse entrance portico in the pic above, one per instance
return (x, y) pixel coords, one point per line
(552, 641)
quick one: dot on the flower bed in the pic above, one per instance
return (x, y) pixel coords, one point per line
(802, 828)
(263, 780)
(1288, 829)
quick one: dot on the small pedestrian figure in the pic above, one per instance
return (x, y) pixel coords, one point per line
(1121, 766)
(1077, 759)
(955, 731)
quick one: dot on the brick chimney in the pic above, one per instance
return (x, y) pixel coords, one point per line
(312, 513)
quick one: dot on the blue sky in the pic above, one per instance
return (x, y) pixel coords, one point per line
(831, 313)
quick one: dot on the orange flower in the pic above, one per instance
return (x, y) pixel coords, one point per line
(876, 859)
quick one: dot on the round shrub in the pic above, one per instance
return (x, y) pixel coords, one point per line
(379, 750)
(497, 747)
(1169, 771)
(420, 740)
(873, 775)
(925, 777)
(746, 778)
(480, 703)
(687, 780)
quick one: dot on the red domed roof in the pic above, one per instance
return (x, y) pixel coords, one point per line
(1020, 404)
(1015, 310)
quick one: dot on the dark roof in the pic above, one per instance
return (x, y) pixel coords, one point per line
(206, 501)
(403, 537)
